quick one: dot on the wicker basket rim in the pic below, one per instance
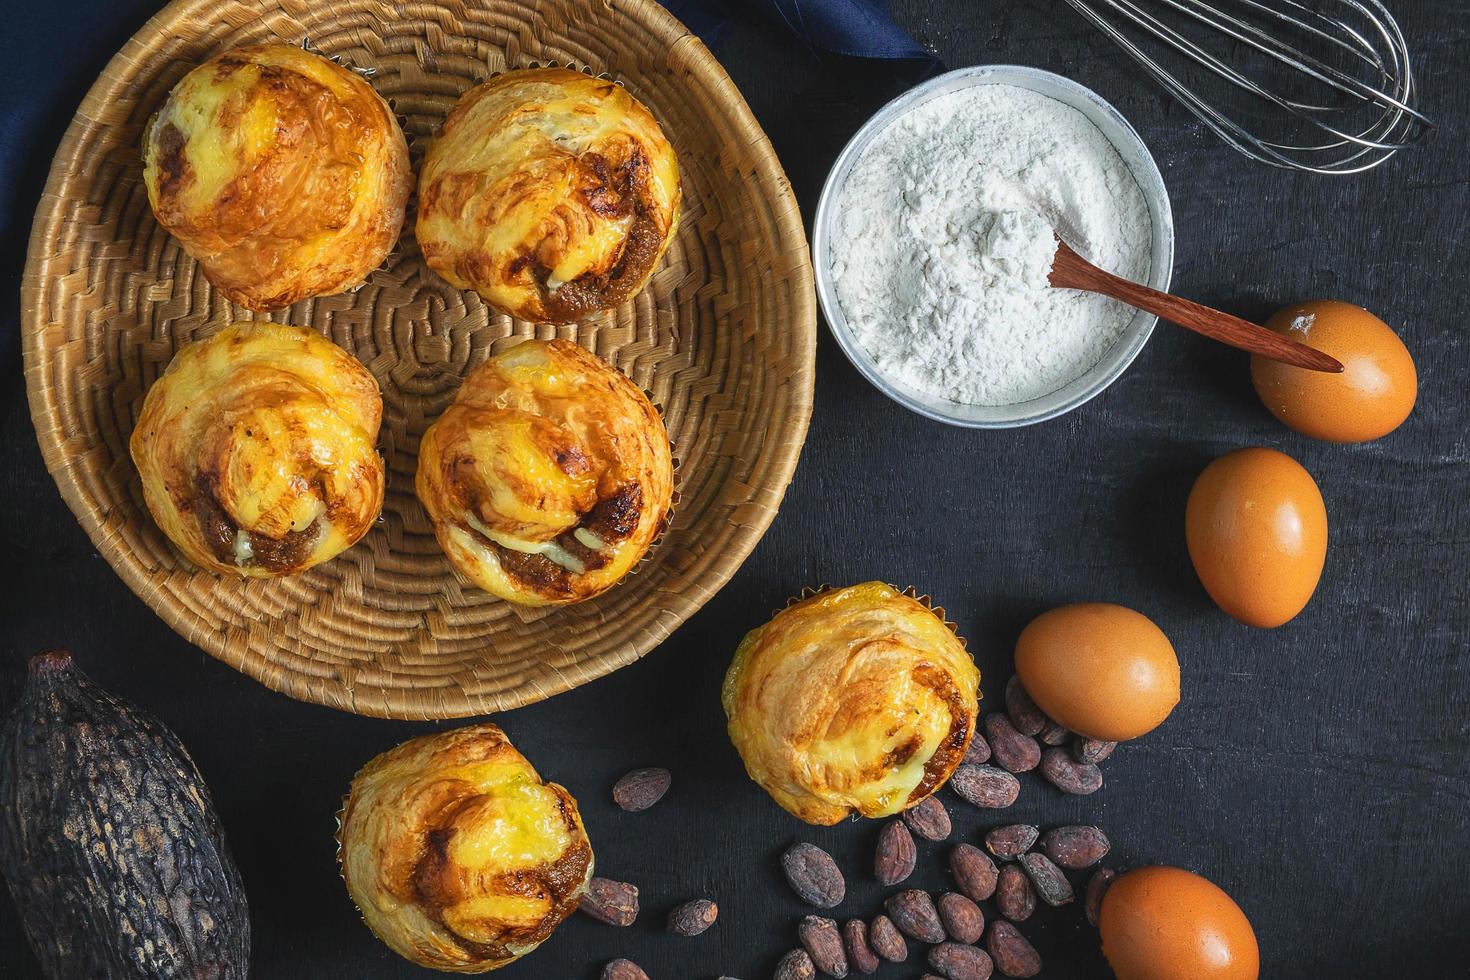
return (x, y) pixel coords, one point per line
(785, 448)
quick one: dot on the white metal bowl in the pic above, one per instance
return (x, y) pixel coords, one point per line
(1161, 261)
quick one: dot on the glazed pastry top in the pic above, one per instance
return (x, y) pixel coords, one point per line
(856, 700)
(457, 853)
(550, 193)
(284, 174)
(257, 451)
(549, 476)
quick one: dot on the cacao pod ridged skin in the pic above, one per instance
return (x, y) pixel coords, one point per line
(109, 841)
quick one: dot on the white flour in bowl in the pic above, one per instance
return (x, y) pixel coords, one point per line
(943, 245)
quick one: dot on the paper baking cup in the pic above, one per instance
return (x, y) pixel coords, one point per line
(925, 600)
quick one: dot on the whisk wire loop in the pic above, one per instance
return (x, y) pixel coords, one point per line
(1358, 125)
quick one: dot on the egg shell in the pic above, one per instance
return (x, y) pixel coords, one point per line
(1372, 396)
(1256, 529)
(1104, 671)
(1161, 923)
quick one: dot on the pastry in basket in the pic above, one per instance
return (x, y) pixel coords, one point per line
(548, 477)
(852, 701)
(257, 449)
(281, 172)
(550, 193)
(456, 852)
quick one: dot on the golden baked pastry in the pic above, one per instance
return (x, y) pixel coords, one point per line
(549, 476)
(281, 172)
(856, 700)
(550, 193)
(257, 450)
(457, 854)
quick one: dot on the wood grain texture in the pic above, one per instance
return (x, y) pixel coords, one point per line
(722, 338)
(1317, 772)
(1071, 271)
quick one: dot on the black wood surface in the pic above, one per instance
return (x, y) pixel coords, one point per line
(1317, 771)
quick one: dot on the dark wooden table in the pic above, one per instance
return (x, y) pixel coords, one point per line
(1317, 771)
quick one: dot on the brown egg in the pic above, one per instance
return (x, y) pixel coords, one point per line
(1370, 398)
(1104, 671)
(1257, 534)
(1163, 923)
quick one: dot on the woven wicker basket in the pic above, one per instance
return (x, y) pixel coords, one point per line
(723, 338)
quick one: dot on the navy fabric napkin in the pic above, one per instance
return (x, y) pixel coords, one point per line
(859, 28)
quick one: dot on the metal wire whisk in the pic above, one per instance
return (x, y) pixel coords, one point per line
(1333, 121)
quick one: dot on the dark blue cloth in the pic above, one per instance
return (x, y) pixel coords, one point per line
(860, 28)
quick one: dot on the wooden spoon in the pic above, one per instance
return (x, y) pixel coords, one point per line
(1071, 271)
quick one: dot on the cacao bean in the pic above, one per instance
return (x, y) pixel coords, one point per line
(960, 962)
(962, 919)
(1097, 886)
(1047, 879)
(929, 819)
(985, 786)
(1092, 750)
(613, 902)
(914, 913)
(692, 918)
(886, 940)
(623, 970)
(1069, 775)
(1025, 716)
(641, 788)
(823, 943)
(896, 855)
(1016, 752)
(1011, 841)
(1011, 953)
(795, 965)
(813, 875)
(979, 751)
(1076, 847)
(860, 955)
(973, 871)
(1053, 734)
(1013, 894)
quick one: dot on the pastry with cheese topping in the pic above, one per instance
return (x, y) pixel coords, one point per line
(852, 701)
(459, 856)
(548, 477)
(550, 193)
(258, 450)
(282, 173)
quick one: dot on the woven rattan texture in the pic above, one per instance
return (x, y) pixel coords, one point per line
(723, 338)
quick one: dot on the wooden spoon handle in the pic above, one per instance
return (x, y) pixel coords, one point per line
(1071, 271)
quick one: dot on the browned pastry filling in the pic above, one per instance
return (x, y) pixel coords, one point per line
(612, 519)
(942, 763)
(221, 534)
(171, 163)
(612, 192)
(439, 884)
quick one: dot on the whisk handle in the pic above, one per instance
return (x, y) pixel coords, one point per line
(1071, 271)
